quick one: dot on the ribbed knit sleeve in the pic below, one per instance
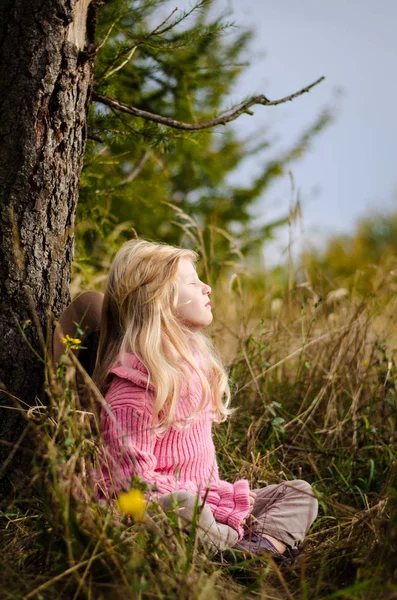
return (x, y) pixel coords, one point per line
(233, 505)
(129, 440)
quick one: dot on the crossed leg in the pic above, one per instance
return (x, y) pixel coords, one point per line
(283, 513)
(217, 536)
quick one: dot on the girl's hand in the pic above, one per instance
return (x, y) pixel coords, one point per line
(252, 497)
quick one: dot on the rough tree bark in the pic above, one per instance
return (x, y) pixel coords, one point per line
(46, 73)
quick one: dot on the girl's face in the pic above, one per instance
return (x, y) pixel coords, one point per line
(194, 306)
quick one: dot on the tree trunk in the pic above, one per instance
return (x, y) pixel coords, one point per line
(46, 72)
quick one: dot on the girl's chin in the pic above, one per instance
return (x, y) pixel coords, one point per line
(195, 327)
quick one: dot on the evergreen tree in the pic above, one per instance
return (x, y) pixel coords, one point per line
(156, 90)
(184, 68)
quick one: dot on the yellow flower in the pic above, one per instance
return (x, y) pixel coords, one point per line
(72, 343)
(133, 503)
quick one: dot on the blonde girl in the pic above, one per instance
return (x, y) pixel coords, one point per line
(165, 386)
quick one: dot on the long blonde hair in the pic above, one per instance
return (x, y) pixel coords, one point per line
(138, 317)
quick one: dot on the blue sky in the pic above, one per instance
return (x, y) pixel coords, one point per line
(351, 168)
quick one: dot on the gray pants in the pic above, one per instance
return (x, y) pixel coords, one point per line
(285, 511)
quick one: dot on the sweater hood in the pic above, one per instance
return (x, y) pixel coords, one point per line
(133, 369)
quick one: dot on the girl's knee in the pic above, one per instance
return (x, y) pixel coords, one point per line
(303, 496)
(186, 498)
(302, 486)
(178, 500)
(305, 490)
(190, 507)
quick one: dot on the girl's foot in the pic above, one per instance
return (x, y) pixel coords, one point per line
(261, 546)
(257, 545)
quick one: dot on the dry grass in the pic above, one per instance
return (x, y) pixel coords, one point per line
(315, 383)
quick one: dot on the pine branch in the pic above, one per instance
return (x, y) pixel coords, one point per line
(158, 32)
(130, 51)
(232, 115)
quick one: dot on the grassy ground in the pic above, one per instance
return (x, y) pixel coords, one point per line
(315, 383)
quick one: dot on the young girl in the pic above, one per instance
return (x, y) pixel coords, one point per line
(164, 386)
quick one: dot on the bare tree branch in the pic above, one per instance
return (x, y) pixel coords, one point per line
(221, 120)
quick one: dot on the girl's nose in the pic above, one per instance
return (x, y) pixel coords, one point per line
(207, 289)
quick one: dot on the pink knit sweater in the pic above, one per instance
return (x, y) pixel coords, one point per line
(181, 458)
